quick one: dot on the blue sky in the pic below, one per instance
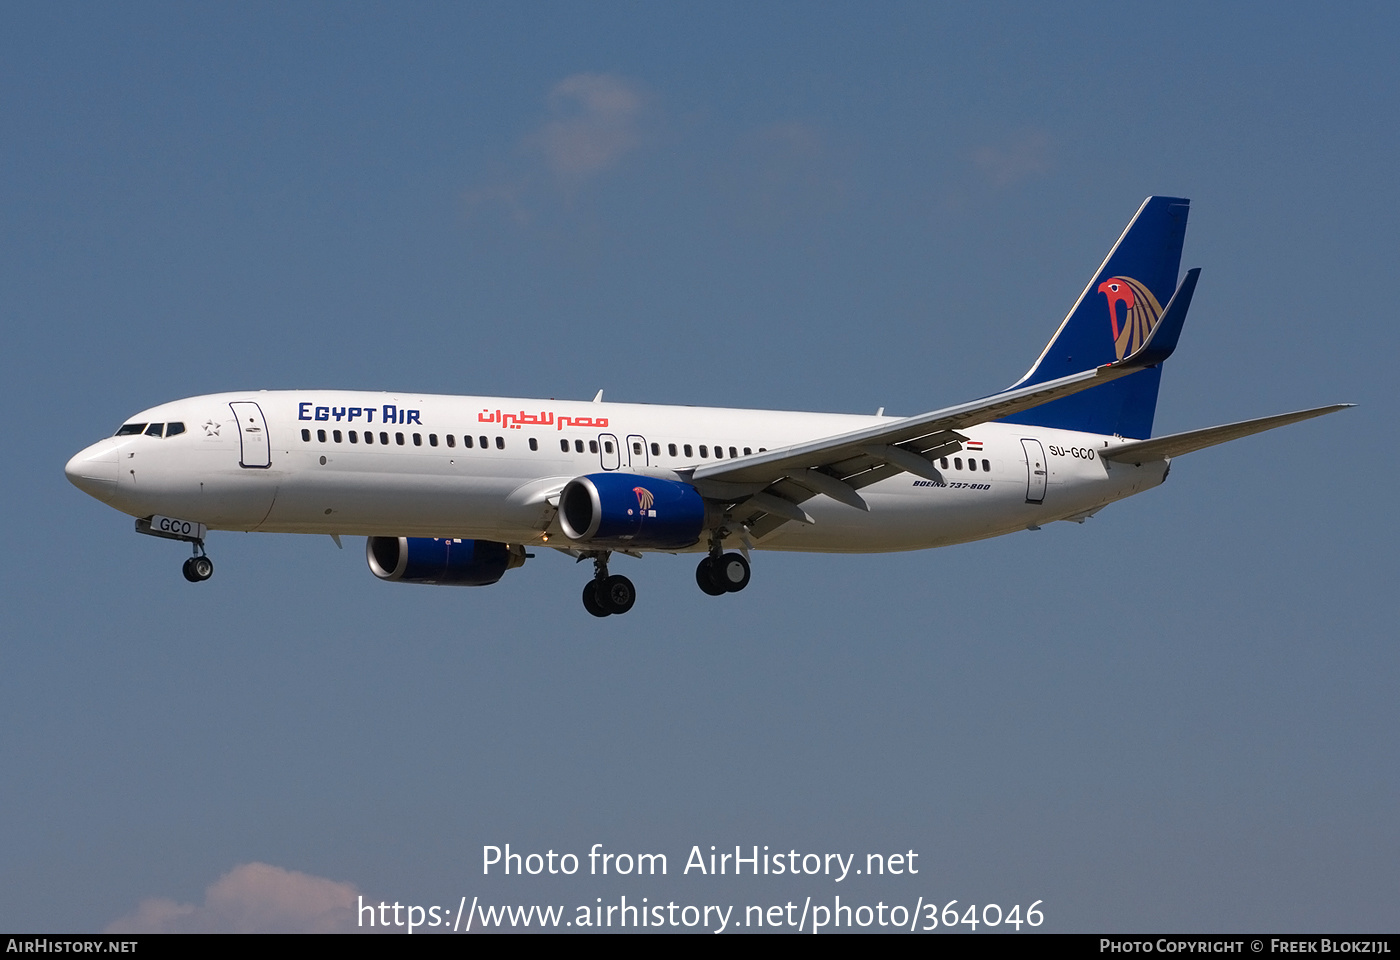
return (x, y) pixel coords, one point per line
(1179, 716)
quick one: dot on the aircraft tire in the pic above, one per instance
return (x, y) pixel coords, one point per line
(188, 571)
(707, 581)
(617, 594)
(590, 599)
(732, 572)
(202, 568)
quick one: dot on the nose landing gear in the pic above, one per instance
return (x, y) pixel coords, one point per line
(198, 569)
(606, 595)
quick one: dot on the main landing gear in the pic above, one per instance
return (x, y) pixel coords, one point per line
(605, 595)
(721, 573)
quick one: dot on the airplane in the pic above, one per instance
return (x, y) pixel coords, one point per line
(456, 490)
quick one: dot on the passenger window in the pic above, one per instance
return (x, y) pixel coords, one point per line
(943, 462)
(335, 435)
(321, 436)
(748, 451)
(593, 446)
(671, 449)
(607, 446)
(171, 429)
(564, 445)
(534, 444)
(354, 437)
(432, 439)
(451, 440)
(762, 449)
(500, 443)
(986, 466)
(656, 449)
(636, 449)
(688, 452)
(154, 429)
(484, 444)
(578, 446)
(131, 429)
(467, 442)
(733, 452)
(398, 438)
(306, 435)
(957, 463)
(971, 464)
(369, 437)
(384, 438)
(704, 450)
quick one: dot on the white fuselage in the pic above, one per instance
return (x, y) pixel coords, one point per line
(486, 468)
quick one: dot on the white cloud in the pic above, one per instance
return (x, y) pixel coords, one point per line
(252, 898)
(1019, 158)
(595, 123)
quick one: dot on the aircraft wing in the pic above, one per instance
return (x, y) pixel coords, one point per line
(1178, 443)
(774, 482)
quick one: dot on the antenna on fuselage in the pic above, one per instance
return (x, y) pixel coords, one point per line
(598, 397)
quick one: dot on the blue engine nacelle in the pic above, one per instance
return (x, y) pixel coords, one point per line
(461, 563)
(626, 510)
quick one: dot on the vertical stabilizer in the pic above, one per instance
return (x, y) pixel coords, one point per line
(1110, 320)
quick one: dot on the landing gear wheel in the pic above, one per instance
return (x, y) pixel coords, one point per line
(706, 579)
(731, 572)
(617, 594)
(198, 569)
(591, 601)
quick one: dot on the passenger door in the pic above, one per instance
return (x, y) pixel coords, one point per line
(1037, 470)
(252, 434)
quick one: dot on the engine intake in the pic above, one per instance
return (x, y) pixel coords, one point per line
(627, 510)
(443, 561)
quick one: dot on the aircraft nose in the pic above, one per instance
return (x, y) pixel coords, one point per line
(94, 470)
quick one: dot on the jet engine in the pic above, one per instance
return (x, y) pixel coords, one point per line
(626, 510)
(443, 561)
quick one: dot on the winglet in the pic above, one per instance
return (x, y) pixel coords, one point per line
(1161, 342)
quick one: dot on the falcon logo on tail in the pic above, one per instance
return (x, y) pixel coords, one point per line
(1143, 311)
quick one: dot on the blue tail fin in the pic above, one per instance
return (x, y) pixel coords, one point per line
(1110, 320)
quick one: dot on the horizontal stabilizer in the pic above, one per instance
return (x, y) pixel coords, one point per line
(1179, 443)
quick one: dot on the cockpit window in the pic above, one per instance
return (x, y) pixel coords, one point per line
(131, 429)
(154, 429)
(171, 429)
